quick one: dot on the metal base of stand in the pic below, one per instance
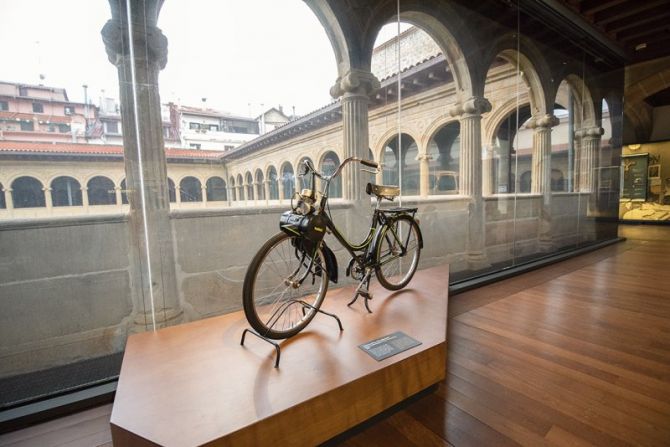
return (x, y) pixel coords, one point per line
(275, 344)
(365, 293)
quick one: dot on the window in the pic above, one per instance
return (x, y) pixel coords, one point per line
(69, 110)
(23, 91)
(3, 203)
(260, 184)
(216, 190)
(214, 127)
(228, 148)
(101, 191)
(4, 106)
(250, 186)
(172, 193)
(409, 165)
(66, 191)
(288, 180)
(64, 128)
(27, 126)
(27, 192)
(329, 165)
(124, 193)
(273, 185)
(38, 107)
(111, 127)
(194, 145)
(190, 190)
(443, 159)
(194, 126)
(233, 192)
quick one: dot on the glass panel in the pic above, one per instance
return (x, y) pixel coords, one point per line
(66, 191)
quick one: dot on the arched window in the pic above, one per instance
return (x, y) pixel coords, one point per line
(409, 164)
(172, 193)
(124, 193)
(27, 192)
(288, 180)
(508, 159)
(3, 203)
(101, 191)
(273, 185)
(306, 180)
(216, 190)
(240, 187)
(249, 185)
(444, 155)
(557, 180)
(261, 185)
(190, 190)
(233, 191)
(329, 165)
(65, 191)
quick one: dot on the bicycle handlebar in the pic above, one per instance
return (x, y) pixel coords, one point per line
(321, 175)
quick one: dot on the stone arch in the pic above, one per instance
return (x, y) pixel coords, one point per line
(101, 190)
(583, 98)
(287, 180)
(65, 194)
(249, 185)
(378, 148)
(216, 189)
(437, 124)
(530, 61)
(498, 115)
(336, 35)
(190, 189)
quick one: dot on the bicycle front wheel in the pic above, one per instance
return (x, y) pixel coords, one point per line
(283, 287)
(397, 254)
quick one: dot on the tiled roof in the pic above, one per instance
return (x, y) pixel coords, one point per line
(27, 147)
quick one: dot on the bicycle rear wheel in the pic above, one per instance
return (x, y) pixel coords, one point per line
(283, 287)
(395, 266)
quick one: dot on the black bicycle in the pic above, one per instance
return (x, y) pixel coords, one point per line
(288, 278)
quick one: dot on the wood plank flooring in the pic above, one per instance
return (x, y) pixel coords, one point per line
(574, 354)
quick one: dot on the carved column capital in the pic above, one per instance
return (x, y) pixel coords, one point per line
(474, 106)
(355, 82)
(424, 157)
(589, 132)
(543, 122)
(114, 36)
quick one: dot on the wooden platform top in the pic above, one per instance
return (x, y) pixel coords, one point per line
(189, 384)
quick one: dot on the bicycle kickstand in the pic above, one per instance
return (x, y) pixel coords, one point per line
(363, 290)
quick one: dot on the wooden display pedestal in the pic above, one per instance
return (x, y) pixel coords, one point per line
(193, 384)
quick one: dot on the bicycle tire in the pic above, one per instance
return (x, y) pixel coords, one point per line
(280, 313)
(393, 270)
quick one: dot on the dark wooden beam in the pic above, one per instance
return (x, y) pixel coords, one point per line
(627, 9)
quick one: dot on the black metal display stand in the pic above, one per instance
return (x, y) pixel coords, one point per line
(275, 344)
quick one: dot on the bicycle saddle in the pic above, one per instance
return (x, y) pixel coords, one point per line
(383, 191)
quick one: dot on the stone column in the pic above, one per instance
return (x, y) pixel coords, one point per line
(266, 190)
(541, 175)
(203, 188)
(280, 188)
(177, 194)
(469, 113)
(84, 197)
(117, 193)
(355, 89)
(589, 146)
(152, 258)
(48, 200)
(9, 200)
(424, 174)
(541, 158)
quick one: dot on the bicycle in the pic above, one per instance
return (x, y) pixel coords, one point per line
(288, 278)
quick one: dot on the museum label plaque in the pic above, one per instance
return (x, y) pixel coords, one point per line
(384, 347)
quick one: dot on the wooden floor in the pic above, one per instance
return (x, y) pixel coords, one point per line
(573, 354)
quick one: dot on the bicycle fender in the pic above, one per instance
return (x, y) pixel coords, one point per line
(331, 262)
(377, 237)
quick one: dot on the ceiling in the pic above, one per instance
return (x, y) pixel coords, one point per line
(640, 27)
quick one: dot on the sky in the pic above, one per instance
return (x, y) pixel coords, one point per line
(242, 56)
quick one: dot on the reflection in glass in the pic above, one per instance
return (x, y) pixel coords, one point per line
(172, 193)
(510, 160)
(249, 186)
(260, 185)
